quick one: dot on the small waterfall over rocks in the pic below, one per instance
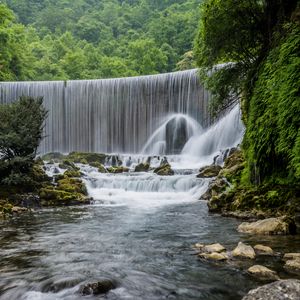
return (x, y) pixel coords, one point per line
(118, 115)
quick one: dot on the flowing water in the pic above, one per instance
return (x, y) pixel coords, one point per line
(140, 228)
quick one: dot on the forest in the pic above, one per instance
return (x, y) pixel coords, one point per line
(81, 39)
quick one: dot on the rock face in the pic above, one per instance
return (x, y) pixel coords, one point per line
(279, 290)
(209, 171)
(262, 272)
(243, 251)
(263, 250)
(97, 288)
(271, 226)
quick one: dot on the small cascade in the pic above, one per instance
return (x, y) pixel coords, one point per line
(224, 134)
(172, 135)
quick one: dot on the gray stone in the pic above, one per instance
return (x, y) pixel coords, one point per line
(243, 251)
(279, 290)
(97, 288)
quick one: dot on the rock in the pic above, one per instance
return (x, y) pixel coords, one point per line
(97, 288)
(217, 186)
(271, 226)
(18, 209)
(214, 256)
(263, 250)
(279, 290)
(243, 251)
(99, 166)
(199, 246)
(117, 170)
(209, 171)
(262, 272)
(291, 256)
(214, 248)
(72, 173)
(78, 157)
(142, 167)
(164, 170)
(293, 264)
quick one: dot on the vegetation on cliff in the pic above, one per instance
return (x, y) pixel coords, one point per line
(258, 43)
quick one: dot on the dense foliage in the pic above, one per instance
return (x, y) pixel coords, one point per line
(82, 39)
(239, 33)
(258, 43)
(272, 140)
(21, 130)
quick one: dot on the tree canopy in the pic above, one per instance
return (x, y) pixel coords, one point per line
(83, 39)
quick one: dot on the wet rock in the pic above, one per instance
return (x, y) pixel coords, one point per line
(209, 171)
(291, 256)
(262, 272)
(279, 290)
(263, 250)
(216, 187)
(214, 256)
(142, 167)
(293, 265)
(164, 170)
(117, 170)
(271, 226)
(18, 209)
(99, 166)
(97, 288)
(214, 248)
(243, 251)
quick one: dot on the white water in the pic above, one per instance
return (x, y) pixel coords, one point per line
(112, 115)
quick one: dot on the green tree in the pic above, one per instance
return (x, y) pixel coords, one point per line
(21, 131)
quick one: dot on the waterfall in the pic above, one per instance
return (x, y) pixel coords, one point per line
(119, 115)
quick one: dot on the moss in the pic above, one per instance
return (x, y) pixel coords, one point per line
(164, 170)
(72, 173)
(99, 166)
(72, 185)
(77, 157)
(68, 165)
(116, 170)
(53, 156)
(142, 167)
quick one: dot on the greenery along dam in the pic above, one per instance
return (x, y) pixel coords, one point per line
(149, 149)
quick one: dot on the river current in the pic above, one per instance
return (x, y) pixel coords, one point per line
(138, 232)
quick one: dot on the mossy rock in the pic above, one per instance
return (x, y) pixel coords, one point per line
(55, 156)
(142, 167)
(72, 173)
(72, 185)
(99, 166)
(117, 170)
(77, 157)
(68, 165)
(209, 171)
(54, 197)
(164, 170)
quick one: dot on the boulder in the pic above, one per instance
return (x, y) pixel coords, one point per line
(214, 248)
(117, 170)
(262, 272)
(209, 171)
(291, 256)
(142, 167)
(214, 256)
(271, 226)
(263, 250)
(164, 170)
(279, 290)
(97, 288)
(293, 265)
(99, 166)
(243, 251)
